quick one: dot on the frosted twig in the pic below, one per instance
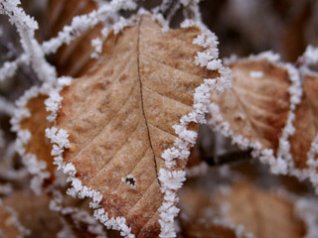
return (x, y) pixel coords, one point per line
(26, 27)
(6, 106)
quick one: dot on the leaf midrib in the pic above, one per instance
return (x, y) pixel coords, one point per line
(142, 98)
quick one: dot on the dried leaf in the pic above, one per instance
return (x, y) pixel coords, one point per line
(120, 117)
(195, 220)
(34, 214)
(256, 108)
(271, 105)
(306, 122)
(263, 213)
(239, 209)
(36, 125)
(73, 59)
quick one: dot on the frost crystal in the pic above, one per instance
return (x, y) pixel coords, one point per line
(256, 74)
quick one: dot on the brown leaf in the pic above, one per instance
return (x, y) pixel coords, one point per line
(36, 125)
(306, 122)
(194, 221)
(73, 59)
(256, 108)
(120, 118)
(263, 213)
(34, 214)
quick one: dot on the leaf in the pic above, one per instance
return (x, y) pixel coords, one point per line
(238, 208)
(34, 214)
(194, 219)
(263, 213)
(256, 108)
(36, 125)
(119, 118)
(306, 122)
(72, 59)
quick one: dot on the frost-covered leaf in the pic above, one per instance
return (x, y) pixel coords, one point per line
(72, 59)
(272, 108)
(36, 125)
(257, 106)
(120, 118)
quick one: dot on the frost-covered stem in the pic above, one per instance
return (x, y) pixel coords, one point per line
(192, 10)
(6, 107)
(309, 58)
(15, 220)
(7, 172)
(26, 27)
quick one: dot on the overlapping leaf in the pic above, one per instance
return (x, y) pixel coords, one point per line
(306, 122)
(43, 222)
(73, 59)
(256, 108)
(243, 205)
(258, 105)
(36, 125)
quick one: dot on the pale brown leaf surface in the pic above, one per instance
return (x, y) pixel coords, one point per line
(120, 117)
(194, 219)
(263, 213)
(256, 108)
(306, 121)
(34, 214)
(8, 227)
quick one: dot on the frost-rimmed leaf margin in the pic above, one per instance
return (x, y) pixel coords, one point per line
(60, 142)
(36, 168)
(310, 58)
(170, 177)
